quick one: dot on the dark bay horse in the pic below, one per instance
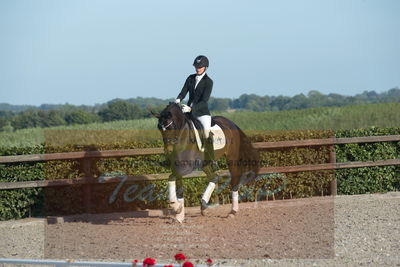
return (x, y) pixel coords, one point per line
(185, 155)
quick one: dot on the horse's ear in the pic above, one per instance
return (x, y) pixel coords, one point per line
(157, 115)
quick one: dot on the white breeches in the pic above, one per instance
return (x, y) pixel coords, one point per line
(206, 122)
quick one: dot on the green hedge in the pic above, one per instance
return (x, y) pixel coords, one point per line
(371, 179)
(68, 200)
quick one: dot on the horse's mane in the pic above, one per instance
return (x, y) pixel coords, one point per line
(187, 118)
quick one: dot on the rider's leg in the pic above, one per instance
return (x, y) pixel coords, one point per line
(209, 144)
(206, 122)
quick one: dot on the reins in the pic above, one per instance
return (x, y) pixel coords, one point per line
(174, 140)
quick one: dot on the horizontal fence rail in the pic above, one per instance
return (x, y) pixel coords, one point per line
(82, 155)
(164, 176)
(159, 150)
(87, 155)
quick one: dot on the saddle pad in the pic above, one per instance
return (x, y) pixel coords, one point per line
(219, 140)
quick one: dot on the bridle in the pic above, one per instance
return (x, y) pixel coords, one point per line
(165, 127)
(178, 132)
(174, 139)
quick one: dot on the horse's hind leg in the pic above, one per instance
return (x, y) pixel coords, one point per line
(235, 181)
(235, 200)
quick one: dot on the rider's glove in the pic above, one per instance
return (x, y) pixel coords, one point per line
(186, 108)
(177, 100)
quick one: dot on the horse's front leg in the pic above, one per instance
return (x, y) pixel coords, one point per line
(213, 180)
(175, 196)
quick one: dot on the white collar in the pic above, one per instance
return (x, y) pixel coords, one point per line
(199, 77)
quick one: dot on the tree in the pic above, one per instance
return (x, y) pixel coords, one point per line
(297, 102)
(251, 102)
(79, 116)
(220, 104)
(279, 102)
(316, 99)
(120, 110)
(27, 119)
(49, 118)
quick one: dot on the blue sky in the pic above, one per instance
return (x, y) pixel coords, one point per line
(92, 51)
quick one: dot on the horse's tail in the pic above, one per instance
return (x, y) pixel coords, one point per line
(248, 154)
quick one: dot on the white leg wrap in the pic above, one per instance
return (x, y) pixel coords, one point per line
(207, 194)
(235, 200)
(172, 191)
(181, 215)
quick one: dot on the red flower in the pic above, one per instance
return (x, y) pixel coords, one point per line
(187, 264)
(135, 261)
(149, 262)
(180, 257)
(169, 265)
(209, 262)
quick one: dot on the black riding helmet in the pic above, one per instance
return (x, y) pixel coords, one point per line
(200, 61)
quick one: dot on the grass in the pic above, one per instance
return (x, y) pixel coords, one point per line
(332, 118)
(325, 118)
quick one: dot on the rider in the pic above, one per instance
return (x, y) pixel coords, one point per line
(199, 86)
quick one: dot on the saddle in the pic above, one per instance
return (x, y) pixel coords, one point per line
(196, 125)
(216, 132)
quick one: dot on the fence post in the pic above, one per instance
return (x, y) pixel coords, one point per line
(332, 159)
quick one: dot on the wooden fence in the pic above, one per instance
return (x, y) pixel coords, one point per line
(87, 156)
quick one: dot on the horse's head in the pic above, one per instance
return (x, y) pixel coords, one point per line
(170, 118)
(170, 122)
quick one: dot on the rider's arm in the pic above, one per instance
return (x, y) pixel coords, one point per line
(184, 90)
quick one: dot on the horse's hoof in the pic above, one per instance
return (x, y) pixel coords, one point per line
(179, 220)
(176, 206)
(232, 214)
(179, 209)
(203, 207)
(203, 212)
(180, 217)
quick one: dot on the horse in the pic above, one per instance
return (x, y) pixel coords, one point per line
(184, 154)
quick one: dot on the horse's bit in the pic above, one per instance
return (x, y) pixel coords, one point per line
(172, 140)
(165, 127)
